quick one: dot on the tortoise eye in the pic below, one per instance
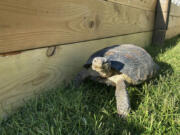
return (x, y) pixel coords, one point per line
(95, 60)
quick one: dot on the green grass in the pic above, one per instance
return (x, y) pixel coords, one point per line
(91, 109)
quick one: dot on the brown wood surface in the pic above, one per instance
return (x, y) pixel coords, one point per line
(25, 73)
(173, 27)
(172, 24)
(174, 21)
(161, 21)
(175, 10)
(27, 24)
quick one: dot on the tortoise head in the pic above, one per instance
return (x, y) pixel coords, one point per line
(102, 66)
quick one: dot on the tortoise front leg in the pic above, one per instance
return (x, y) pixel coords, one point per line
(122, 99)
(80, 77)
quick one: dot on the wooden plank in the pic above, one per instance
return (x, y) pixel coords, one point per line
(175, 8)
(38, 23)
(163, 5)
(174, 27)
(162, 14)
(33, 71)
(174, 20)
(172, 32)
(141, 4)
(161, 21)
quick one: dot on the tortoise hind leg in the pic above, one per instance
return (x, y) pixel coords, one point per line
(80, 77)
(122, 99)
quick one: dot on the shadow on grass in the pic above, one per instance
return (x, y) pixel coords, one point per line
(155, 50)
(87, 110)
(135, 97)
(165, 68)
(101, 102)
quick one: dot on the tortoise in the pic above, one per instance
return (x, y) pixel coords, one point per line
(119, 66)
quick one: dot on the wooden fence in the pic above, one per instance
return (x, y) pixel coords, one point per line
(174, 20)
(44, 43)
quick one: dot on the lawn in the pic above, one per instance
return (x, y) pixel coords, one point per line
(91, 109)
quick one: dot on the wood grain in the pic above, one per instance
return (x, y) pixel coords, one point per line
(31, 72)
(141, 4)
(175, 10)
(174, 27)
(174, 21)
(28, 24)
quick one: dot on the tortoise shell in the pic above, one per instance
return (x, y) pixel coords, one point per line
(128, 59)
